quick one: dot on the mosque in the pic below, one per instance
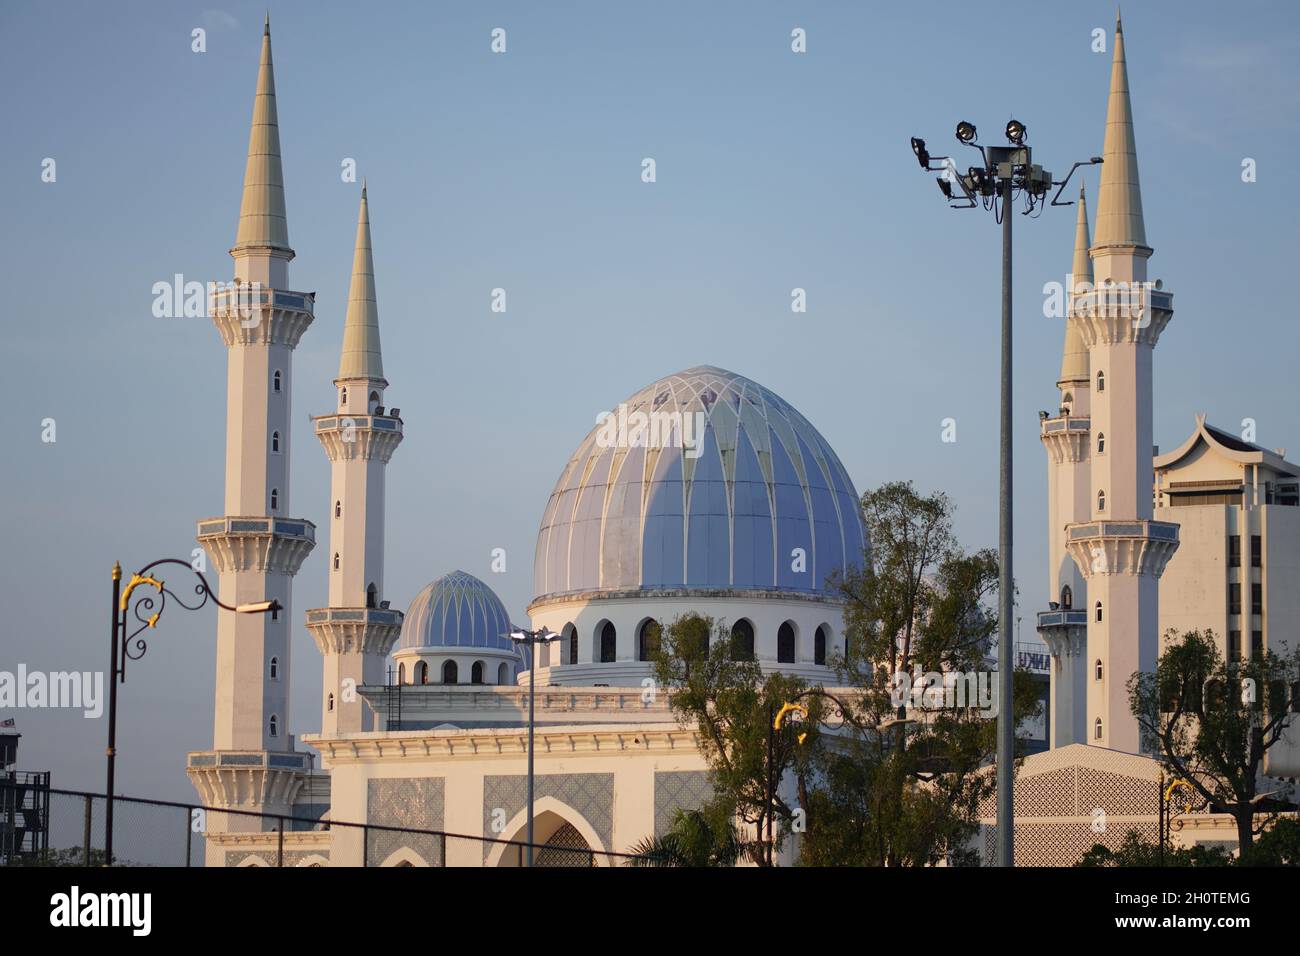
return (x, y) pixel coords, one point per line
(740, 510)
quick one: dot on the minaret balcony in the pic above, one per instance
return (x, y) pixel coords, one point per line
(365, 630)
(248, 779)
(1066, 438)
(1122, 315)
(1064, 631)
(1122, 547)
(254, 315)
(256, 543)
(348, 437)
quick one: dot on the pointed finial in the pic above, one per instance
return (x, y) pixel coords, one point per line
(1119, 20)
(262, 220)
(1119, 197)
(266, 27)
(361, 358)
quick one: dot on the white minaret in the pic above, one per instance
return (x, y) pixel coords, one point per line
(256, 549)
(355, 633)
(1119, 549)
(1067, 439)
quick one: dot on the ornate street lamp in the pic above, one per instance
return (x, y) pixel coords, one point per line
(146, 608)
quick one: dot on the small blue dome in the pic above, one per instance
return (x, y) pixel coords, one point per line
(456, 610)
(723, 504)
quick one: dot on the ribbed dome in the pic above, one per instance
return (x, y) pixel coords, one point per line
(758, 483)
(456, 610)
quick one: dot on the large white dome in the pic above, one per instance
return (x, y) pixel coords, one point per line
(758, 483)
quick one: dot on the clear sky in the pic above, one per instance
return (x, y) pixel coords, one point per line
(522, 171)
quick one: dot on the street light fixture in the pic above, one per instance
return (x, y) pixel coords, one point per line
(147, 608)
(543, 635)
(1007, 172)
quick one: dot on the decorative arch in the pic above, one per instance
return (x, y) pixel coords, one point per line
(606, 642)
(786, 643)
(476, 673)
(450, 672)
(422, 672)
(570, 634)
(314, 860)
(549, 815)
(1067, 597)
(404, 856)
(649, 633)
(253, 859)
(503, 673)
(820, 642)
(742, 640)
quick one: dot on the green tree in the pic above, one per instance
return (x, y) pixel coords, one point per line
(722, 691)
(1134, 851)
(901, 785)
(697, 838)
(1211, 722)
(1279, 845)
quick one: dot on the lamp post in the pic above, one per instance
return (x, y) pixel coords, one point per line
(1004, 174)
(146, 609)
(543, 635)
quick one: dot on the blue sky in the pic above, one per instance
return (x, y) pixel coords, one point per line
(522, 171)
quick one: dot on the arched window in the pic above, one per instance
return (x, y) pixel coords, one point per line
(1096, 729)
(275, 380)
(422, 673)
(401, 673)
(374, 402)
(1098, 612)
(274, 668)
(450, 672)
(329, 703)
(1101, 381)
(1101, 442)
(372, 595)
(275, 442)
(647, 640)
(742, 641)
(275, 498)
(1101, 500)
(503, 673)
(819, 645)
(1067, 598)
(338, 509)
(275, 614)
(343, 396)
(608, 643)
(785, 643)
(273, 726)
(573, 644)
(476, 673)
(336, 560)
(1097, 670)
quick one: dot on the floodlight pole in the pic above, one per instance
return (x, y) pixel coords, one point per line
(1003, 170)
(1006, 720)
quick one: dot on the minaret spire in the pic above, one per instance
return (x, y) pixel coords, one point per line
(361, 358)
(262, 221)
(1074, 360)
(1119, 201)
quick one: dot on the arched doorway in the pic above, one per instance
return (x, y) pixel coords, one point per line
(564, 847)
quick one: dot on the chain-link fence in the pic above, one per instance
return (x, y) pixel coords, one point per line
(41, 826)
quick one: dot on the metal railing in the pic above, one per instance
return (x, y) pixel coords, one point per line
(70, 832)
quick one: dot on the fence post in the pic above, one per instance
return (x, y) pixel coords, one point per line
(279, 843)
(189, 832)
(85, 832)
